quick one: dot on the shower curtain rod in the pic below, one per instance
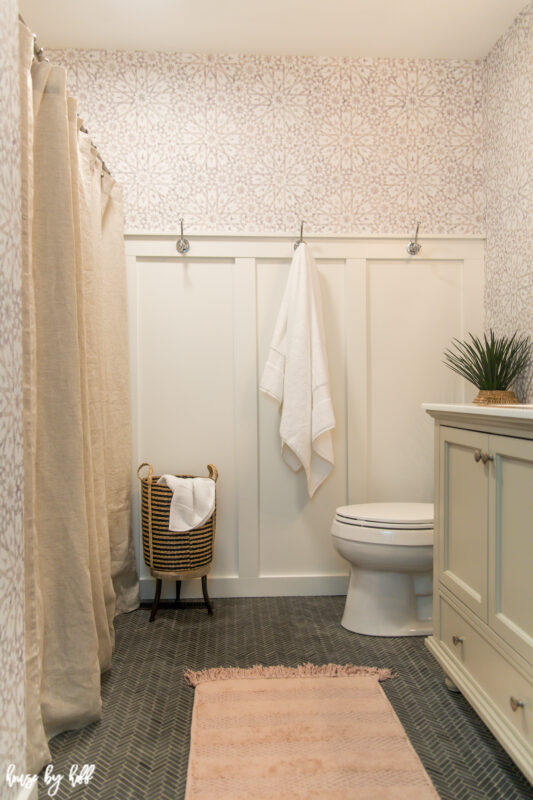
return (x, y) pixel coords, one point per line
(38, 52)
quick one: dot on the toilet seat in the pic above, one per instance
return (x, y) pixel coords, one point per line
(385, 523)
(405, 515)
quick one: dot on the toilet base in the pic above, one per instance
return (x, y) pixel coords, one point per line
(381, 603)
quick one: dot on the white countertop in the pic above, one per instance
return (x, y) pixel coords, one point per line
(511, 411)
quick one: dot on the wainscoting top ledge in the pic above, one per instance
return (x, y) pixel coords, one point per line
(137, 234)
(435, 248)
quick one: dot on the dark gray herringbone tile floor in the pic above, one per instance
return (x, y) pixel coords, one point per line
(140, 747)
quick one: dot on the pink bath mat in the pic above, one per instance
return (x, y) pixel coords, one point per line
(299, 733)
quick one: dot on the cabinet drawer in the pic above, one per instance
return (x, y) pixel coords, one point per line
(491, 671)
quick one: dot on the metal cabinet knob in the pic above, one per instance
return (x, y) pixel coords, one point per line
(516, 703)
(457, 640)
(480, 455)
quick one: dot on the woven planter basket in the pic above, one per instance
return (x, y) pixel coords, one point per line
(173, 554)
(495, 397)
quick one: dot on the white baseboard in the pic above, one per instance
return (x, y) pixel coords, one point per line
(266, 586)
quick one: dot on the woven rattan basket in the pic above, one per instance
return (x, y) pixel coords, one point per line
(495, 397)
(173, 554)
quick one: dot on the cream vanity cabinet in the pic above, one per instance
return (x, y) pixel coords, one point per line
(483, 565)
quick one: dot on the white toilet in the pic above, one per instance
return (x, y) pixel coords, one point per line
(389, 547)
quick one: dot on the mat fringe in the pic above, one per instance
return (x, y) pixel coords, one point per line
(193, 677)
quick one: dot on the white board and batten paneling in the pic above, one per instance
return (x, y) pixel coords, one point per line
(200, 327)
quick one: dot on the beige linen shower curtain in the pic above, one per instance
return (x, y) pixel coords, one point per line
(79, 561)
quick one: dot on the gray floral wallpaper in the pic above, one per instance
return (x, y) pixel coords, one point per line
(250, 144)
(508, 135)
(12, 726)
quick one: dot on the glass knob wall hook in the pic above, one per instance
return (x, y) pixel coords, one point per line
(413, 248)
(182, 245)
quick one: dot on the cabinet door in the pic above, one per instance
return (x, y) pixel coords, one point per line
(463, 511)
(511, 542)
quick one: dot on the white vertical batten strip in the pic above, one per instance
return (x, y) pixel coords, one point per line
(133, 277)
(357, 379)
(246, 415)
(346, 392)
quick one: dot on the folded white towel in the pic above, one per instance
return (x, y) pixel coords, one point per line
(296, 374)
(193, 501)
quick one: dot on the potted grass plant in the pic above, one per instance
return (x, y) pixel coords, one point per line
(492, 364)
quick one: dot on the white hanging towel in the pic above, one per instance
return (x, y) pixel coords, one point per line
(296, 374)
(193, 501)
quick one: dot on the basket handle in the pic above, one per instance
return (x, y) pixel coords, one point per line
(213, 472)
(150, 470)
(150, 475)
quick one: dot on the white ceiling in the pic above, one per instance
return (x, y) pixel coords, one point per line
(388, 28)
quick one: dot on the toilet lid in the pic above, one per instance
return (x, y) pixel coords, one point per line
(396, 516)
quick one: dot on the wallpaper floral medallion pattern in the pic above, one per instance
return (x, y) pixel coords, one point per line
(12, 725)
(253, 144)
(508, 135)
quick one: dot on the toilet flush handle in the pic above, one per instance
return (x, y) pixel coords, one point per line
(457, 640)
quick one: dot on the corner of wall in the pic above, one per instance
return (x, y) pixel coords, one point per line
(507, 111)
